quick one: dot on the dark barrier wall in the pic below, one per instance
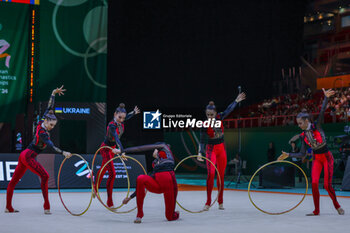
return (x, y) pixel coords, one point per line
(74, 172)
(254, 144)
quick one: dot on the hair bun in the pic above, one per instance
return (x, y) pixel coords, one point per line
(304, 114)
(50, 117)
(121, 108)
(211, 106)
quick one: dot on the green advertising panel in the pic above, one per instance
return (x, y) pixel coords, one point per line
(73, 49)
(14, 24)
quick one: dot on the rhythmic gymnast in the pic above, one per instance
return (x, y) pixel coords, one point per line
(162, 180)
(27, 157)
(115, 130)
(313, 136)
(212, 144)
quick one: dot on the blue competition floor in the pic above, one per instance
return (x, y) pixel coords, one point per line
(200, 180)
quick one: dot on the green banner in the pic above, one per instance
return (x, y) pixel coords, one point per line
(73, 49)
(14, 24)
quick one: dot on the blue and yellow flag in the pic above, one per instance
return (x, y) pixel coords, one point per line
(58, 110)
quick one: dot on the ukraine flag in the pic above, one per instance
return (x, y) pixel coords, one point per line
(58, 110)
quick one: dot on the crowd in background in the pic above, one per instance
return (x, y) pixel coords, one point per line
(282, 110)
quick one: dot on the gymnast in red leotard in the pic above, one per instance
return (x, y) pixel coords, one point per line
(213, 146)
(313, 136)
(161, 180)
(27, 157)
(115, 130)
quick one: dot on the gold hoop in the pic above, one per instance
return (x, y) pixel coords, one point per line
(94, 158)
(96, 193)
(114, 210)
(273, 162)
(98, 179)
(218, 178)
(59, 190)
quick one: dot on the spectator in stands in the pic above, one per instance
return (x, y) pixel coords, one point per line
(288, 121)
(271, 110)
(233, 165)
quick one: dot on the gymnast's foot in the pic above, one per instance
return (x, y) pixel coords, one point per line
(137, 220)
(340, 211)
(206, 207)
(110, 204)
(313, 214)
(176, 215)
(11, 210)
(47, 212)
(221, 206)
(94, 192)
